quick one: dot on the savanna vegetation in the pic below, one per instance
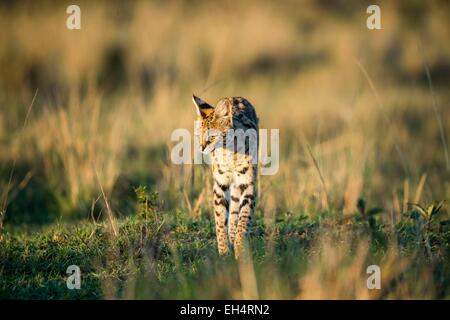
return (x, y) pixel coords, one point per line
(86, 176)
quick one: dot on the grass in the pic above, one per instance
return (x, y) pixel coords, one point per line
(362, 115)
(176, 258)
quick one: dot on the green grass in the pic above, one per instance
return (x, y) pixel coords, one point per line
(171, 256)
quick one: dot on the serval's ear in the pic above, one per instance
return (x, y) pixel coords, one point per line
(203, 108)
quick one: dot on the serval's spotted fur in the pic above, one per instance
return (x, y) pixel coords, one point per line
(234, 170)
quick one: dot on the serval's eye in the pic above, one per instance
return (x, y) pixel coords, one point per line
(210, 137)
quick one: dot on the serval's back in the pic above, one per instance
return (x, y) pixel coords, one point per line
(229, 132)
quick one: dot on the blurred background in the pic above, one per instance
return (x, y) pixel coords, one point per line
(362, 113)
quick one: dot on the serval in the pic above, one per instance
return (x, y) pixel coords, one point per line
(232, 121)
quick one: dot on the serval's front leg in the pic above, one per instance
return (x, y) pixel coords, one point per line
(246, 208)
(235, 199)
(221, 187)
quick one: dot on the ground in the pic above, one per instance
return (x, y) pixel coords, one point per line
(176, 258)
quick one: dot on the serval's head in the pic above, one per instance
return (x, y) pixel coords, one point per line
(214, 122)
